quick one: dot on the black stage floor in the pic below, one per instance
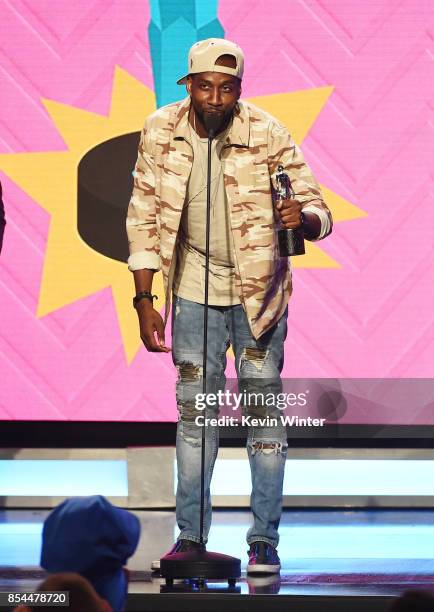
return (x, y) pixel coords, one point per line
(331, 560)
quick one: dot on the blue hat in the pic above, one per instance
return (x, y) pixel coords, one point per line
(90, 536)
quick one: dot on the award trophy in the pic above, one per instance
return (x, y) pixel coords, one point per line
(291, 241)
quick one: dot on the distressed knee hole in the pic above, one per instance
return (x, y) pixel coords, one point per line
(269, 448)
(188, 411)
(189, 372)
(254, 356)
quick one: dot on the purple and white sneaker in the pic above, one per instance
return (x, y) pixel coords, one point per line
(179, 546)
(263, 559)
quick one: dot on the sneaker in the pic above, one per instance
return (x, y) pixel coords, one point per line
(263, 559)
(263, 584)
(179, 546)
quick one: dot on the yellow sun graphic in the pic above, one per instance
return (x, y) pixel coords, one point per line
(72, 269)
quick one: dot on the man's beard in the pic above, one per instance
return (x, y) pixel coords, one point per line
(226, 117)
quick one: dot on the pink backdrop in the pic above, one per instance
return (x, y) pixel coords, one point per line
(372, 144)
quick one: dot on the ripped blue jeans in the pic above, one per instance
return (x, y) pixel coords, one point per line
(258, 366)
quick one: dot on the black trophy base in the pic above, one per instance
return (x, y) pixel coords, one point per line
(200, 565)
(291, 242)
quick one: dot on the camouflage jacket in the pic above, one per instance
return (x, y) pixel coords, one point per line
(255, 146)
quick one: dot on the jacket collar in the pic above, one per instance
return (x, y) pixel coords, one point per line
(239, 135)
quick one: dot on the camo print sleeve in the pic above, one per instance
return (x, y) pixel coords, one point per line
(141, 223)
(284, 151)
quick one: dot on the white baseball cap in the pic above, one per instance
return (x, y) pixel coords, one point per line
(203, 55)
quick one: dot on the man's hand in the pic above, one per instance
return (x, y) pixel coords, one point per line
(289, 211)
(151, 322)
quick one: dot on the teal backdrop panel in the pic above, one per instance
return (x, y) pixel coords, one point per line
(176, 25)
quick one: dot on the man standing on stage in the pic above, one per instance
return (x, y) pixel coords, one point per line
(249, 284)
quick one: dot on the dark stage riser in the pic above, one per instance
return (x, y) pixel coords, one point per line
(256, 603)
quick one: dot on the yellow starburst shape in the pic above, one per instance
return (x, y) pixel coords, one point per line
(72, 269)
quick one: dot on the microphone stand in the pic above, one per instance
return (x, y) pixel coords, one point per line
(202, 564)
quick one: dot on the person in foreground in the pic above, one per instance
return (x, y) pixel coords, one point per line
(82, 595)
(249, 284)
(90, 536)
